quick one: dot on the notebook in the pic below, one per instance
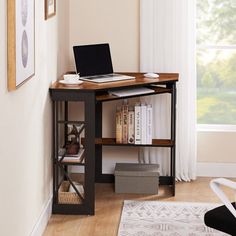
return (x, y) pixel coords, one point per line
(94, 64)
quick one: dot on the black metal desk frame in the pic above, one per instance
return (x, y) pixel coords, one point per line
(93, 141)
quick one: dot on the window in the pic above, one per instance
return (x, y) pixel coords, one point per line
(216, 62)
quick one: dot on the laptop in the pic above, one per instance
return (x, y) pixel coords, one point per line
(94, 64)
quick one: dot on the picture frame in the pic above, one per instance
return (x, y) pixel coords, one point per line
(50, 8)
(20, 42)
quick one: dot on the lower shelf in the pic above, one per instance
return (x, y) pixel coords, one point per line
(87, 208)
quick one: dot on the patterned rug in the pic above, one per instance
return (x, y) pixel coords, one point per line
(154, 218)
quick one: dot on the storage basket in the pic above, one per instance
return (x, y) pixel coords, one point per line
(136, 178)
(66, 197)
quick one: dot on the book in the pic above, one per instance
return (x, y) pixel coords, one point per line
(125, 112)
(131, 127)
(137, 125)
(149, 125)
(76, 158)
(118, 125)
(143, 122)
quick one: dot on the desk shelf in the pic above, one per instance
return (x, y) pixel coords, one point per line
(155, 143)
(105, 96)
(93, 96)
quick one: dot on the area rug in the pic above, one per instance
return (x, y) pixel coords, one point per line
(155, 218)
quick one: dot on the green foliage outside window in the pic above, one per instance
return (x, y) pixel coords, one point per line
(216, 61)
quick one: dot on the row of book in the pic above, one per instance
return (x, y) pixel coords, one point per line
(134, 123)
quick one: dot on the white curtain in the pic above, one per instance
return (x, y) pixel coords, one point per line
(167, 44)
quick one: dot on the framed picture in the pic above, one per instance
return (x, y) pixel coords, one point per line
(50, 8)
(20, 42)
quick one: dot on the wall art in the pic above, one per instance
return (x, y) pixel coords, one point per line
(50, 8)
(21, 42)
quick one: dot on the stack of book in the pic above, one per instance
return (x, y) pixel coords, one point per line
(76, 158)
(134, 123)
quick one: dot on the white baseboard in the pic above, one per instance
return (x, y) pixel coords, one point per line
(41, 224)
(207, 169)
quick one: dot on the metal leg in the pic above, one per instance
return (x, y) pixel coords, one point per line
(173, 134)
(98, 148)
(66, 119)
(90, 152)
(55, 148)
(65, 132)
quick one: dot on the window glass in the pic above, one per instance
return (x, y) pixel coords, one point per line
(216, 62)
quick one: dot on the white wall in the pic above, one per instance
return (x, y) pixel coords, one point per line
(112, 21)
(25, 137)
(217, 146)
(216, 153)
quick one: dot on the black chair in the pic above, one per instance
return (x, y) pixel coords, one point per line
(222, 218)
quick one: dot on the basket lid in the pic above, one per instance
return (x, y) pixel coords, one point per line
(136, 169)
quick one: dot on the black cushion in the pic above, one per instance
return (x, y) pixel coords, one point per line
(220, 218)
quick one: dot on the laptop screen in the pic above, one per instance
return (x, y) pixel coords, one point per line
(93, 59)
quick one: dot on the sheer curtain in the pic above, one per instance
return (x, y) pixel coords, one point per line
(167, 44)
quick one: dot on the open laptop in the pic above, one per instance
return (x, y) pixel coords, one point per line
(94, 64)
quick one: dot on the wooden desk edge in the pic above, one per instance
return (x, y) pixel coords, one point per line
(139, 81)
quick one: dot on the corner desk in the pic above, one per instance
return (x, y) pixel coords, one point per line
(93, 95)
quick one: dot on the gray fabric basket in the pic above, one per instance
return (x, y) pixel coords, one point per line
(136, 178)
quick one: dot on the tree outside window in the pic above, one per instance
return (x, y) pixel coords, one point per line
(216, 62)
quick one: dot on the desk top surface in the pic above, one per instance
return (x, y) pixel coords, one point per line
(139, 80)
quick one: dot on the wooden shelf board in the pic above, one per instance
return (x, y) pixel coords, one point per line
(155, 142)
(108, 97)
(73, 162)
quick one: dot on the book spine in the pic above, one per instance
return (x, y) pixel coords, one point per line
(131, 125)
(143, 123)
(149, 124)
(118, 125)
(125, 113)
(137, 125)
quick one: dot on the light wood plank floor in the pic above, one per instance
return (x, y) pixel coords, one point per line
(109, 207)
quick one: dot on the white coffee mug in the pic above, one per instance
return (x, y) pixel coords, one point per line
(71, 78)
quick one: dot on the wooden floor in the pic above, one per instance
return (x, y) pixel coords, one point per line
(109, 207)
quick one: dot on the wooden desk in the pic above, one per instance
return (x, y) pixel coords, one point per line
(93, 95)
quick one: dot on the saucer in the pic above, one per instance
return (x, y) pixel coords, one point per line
(70, 83)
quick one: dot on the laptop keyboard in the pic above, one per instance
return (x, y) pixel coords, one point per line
(101, 76)
(110, 78)
(107, 78)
